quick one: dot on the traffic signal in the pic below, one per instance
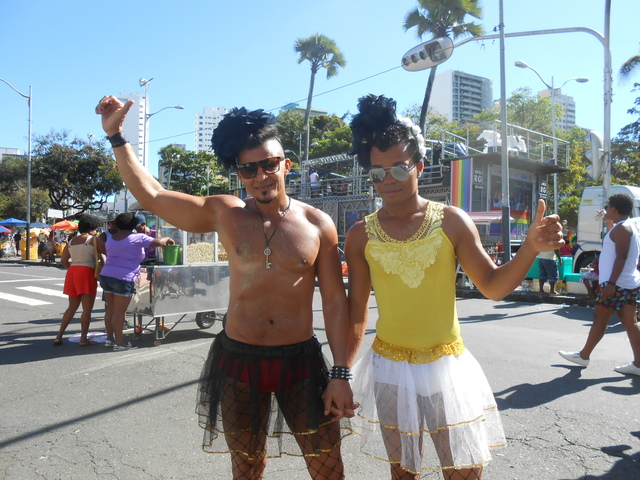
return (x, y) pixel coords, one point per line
(428, 54)
(594, 155)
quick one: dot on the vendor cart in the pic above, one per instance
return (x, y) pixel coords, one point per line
(198, 283)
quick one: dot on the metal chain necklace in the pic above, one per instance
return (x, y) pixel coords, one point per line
(267, 249)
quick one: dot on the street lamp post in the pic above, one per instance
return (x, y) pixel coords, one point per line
(28, 98)
(552, 91)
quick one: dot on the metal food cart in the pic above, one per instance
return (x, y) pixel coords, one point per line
(198, 284)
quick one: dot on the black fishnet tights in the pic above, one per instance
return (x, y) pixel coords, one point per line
(321, 449)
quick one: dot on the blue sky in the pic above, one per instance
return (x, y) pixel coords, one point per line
(220, 53)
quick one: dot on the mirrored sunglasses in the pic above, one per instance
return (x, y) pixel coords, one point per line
(399, 172)
(268, 165)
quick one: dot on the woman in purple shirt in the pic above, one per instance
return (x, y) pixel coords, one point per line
(125, 251)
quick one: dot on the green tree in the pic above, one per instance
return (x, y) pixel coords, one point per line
(329, 135)
(320, 52)
(192, 173)
(625, 150)
(442, 18)
(75, 173)
(15, 204)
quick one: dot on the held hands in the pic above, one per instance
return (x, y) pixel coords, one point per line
(545, 233)
(338, 400)
(113, 112)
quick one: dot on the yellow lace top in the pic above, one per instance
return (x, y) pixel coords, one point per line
(414, 284)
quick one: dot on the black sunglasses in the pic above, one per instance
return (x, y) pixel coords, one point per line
(268, 165)
(399, 172)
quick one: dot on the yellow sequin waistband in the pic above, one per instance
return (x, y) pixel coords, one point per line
(416, 355)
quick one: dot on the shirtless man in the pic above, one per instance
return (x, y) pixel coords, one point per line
(267, 357)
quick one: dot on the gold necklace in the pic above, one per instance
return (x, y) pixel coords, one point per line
(267, 249)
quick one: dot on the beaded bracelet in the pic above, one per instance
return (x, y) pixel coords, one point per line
(118, 140)
(341, 373)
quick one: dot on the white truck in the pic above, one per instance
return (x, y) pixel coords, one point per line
(590, 224)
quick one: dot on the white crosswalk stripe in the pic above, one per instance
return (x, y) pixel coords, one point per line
(44, 291)
(25, 300)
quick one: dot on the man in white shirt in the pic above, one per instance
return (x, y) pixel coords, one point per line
(619, 283)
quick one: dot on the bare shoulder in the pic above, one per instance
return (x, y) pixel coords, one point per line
(456, 223)
(314, 215)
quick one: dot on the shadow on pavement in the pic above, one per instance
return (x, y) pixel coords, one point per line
(527, 395)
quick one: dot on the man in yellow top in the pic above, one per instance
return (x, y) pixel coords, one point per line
(418, 378)
(265, 372)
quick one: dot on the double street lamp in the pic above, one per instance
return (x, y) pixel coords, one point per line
(552, 90)
(28, 98)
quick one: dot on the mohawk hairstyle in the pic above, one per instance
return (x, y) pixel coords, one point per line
(377, 125)
(240, 130)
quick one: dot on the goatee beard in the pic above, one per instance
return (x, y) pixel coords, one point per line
(264, 201)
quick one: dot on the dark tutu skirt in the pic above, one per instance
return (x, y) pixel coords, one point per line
(265, 401)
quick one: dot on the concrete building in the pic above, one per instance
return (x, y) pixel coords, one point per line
(205, 123)
(459, 95)
(134, 125)
(567, 120)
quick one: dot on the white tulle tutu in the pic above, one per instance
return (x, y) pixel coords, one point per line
(436, 415)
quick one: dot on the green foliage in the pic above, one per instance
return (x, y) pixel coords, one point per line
(192, 173)
(75, 173)
(625, 150)
(13, 191)
(568, 210)
(329, 132)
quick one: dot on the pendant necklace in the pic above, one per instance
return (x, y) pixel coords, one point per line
(267, 249)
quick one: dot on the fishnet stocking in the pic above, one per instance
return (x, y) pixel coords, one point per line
(248, 458)
(321, 448)
(387, 405)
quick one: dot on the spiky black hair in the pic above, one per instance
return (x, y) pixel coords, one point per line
(240, 130)
(377, 125)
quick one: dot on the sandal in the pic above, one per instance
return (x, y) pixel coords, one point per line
(87, 343)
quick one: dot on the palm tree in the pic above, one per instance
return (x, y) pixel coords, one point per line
(321, 52)
(630, 66)
(442, 18)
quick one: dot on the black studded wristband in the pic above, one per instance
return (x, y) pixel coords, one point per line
(118, 140)
(341, 373)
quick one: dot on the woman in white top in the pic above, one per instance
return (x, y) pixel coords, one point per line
(80, 284)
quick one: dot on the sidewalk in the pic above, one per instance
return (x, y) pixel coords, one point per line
(31, 261)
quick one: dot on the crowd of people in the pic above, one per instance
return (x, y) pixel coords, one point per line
(111, 259)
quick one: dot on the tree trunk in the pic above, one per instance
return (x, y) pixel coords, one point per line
(427, 97)
(307, 113)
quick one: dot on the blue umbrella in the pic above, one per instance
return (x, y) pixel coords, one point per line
(14, 222)
(39, 225)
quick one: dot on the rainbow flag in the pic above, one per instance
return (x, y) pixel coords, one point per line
(461, 175)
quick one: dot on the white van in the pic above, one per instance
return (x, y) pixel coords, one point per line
(590, 224)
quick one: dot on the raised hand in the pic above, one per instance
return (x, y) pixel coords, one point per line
(545, 232)
(113, 113)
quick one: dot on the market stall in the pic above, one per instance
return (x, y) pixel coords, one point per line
(190, 277)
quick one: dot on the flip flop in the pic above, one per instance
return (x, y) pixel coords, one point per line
(57, 342)
(89, 342)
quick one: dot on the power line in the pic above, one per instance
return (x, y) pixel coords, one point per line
(338, 88)
(301, 100)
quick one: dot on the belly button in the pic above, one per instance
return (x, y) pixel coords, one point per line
(271, 322)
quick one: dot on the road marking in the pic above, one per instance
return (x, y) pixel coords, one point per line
(44, 291)
(41, 279)
(25, 300)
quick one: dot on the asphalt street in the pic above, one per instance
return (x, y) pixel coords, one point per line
(73, 412)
